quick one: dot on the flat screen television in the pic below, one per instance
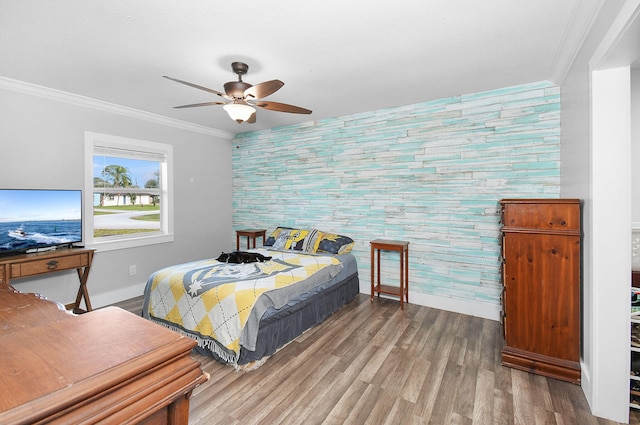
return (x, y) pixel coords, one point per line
(34, 220)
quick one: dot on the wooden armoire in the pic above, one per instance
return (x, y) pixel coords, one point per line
(541, 252)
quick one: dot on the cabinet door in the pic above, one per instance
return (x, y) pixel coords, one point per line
(542, 294)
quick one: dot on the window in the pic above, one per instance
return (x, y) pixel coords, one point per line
(127, 199)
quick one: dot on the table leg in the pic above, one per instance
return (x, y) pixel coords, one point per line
(402, 260)
(378, 270)
(83, 292)
(372, 273)
(406, 274)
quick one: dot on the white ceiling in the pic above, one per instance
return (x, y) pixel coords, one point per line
(336, 57)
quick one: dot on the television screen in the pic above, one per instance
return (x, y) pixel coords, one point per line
(32, 219)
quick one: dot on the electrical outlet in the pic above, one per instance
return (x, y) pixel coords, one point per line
(132, 270)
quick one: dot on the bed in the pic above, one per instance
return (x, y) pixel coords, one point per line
(241, 314)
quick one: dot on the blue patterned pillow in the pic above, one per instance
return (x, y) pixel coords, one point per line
(335, 244)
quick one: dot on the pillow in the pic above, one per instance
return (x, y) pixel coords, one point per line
(308, 240)
(335, 244)
(290, 239)
(311, 241)
(281, 240)
(271, 239)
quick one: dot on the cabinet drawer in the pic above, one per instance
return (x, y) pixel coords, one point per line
(47, 265)
(547, 216)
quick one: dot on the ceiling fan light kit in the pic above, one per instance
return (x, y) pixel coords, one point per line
(242, 98)
(239, 112)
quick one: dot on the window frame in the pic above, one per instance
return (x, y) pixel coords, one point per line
(95, 141)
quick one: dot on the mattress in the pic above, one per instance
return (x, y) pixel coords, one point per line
(280, 315)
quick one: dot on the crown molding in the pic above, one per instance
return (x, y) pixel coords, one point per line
(584, 16)
(619, 47)
(87, 102)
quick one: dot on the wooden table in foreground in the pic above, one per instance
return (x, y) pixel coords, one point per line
(108, 366)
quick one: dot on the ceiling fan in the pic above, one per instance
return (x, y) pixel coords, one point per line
(243, 97)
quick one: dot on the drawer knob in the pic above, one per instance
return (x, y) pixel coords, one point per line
(52, 265)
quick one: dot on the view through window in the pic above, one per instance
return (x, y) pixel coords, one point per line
(121, 204)
(129, 193)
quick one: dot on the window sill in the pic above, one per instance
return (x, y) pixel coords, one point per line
(133, 242)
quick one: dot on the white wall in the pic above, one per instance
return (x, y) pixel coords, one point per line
(611, 239)
(42, 146)
(596, 167)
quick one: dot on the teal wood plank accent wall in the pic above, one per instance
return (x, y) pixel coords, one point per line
(430, 173)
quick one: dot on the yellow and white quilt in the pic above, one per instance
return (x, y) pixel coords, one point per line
(213, 302)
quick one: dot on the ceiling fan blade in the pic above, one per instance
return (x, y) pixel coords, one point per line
(193, 105)
(197, 86)
(281, 107)
(252, 118)
(263, 89)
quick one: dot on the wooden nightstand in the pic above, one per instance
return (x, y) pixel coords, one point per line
(387, 245)
(251, 234)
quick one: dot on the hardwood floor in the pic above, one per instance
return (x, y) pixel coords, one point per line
(376, 364)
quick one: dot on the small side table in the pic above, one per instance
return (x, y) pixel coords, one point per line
(388, 245)
(251, 234)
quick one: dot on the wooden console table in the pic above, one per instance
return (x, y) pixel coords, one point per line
(24, 265)
(376, 287)
(108, 366)
(251, 234)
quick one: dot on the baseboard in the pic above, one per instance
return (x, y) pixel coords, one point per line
(586, 383)
(112, 297)
(468, 307)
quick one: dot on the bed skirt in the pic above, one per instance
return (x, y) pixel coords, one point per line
(277, 328)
